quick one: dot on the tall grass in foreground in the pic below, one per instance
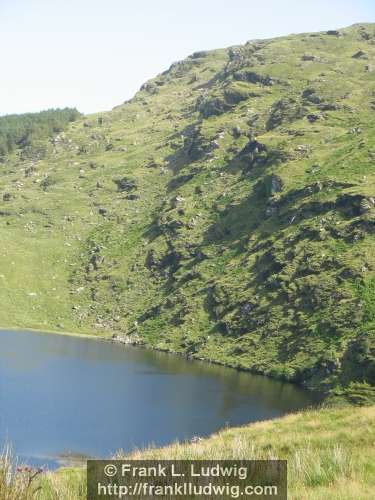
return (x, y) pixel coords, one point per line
(17, 483)
(28, 483)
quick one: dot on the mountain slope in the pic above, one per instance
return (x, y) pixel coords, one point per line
(227, 211)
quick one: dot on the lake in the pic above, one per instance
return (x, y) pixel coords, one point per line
(64, 396)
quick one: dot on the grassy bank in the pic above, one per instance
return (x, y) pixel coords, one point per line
(330, 453)
(97, 336)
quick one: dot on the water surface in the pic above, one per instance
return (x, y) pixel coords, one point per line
(63, 395)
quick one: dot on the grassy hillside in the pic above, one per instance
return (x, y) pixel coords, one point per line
(330, 454)
(227, 211)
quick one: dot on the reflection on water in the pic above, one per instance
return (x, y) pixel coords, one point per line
(72, 396)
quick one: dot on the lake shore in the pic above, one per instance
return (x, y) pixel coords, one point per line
(117, 338)
(61, 370)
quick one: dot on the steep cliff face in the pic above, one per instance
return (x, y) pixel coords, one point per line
(227, 211)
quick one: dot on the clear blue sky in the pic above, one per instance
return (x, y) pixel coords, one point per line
(94, 54)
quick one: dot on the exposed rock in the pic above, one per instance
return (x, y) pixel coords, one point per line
(366, 205)
(235, 94)
(153, 164)
(253, 77)
(7, 197)
(30, 171)
(199, 54)
(97, 260)
(284, 110)
(211, 106)
(150, 88)
(276, 184)
(313, 117)
(196, 146)
(310, 95)
(47, 183)
(246, 308)
(131, 339)
(303, 150)
(125, 184)
(310, 57)
(177, 200)
(360, 55)
(353, 205)
(328, 106)
(181, 68)
(236, 131)
(271, 208)
(253, 147)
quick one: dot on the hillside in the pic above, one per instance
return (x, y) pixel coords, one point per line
(227, 211)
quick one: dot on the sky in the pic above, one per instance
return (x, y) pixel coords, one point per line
(95, 54)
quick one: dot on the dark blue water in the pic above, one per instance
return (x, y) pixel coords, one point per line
(64, 395)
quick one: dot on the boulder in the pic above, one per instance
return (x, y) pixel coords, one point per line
(150, 88)
(176, 201)
(125, 184)
(212, 106)
(360, 55)
(309, 57)
(30, 171)
(132, 197)
(253, 77)
(311, 96)
(236, 132)
(366, 205)
(253, 147)
(7, 196)
(276, 184)
(246, 308)
(312, 118)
